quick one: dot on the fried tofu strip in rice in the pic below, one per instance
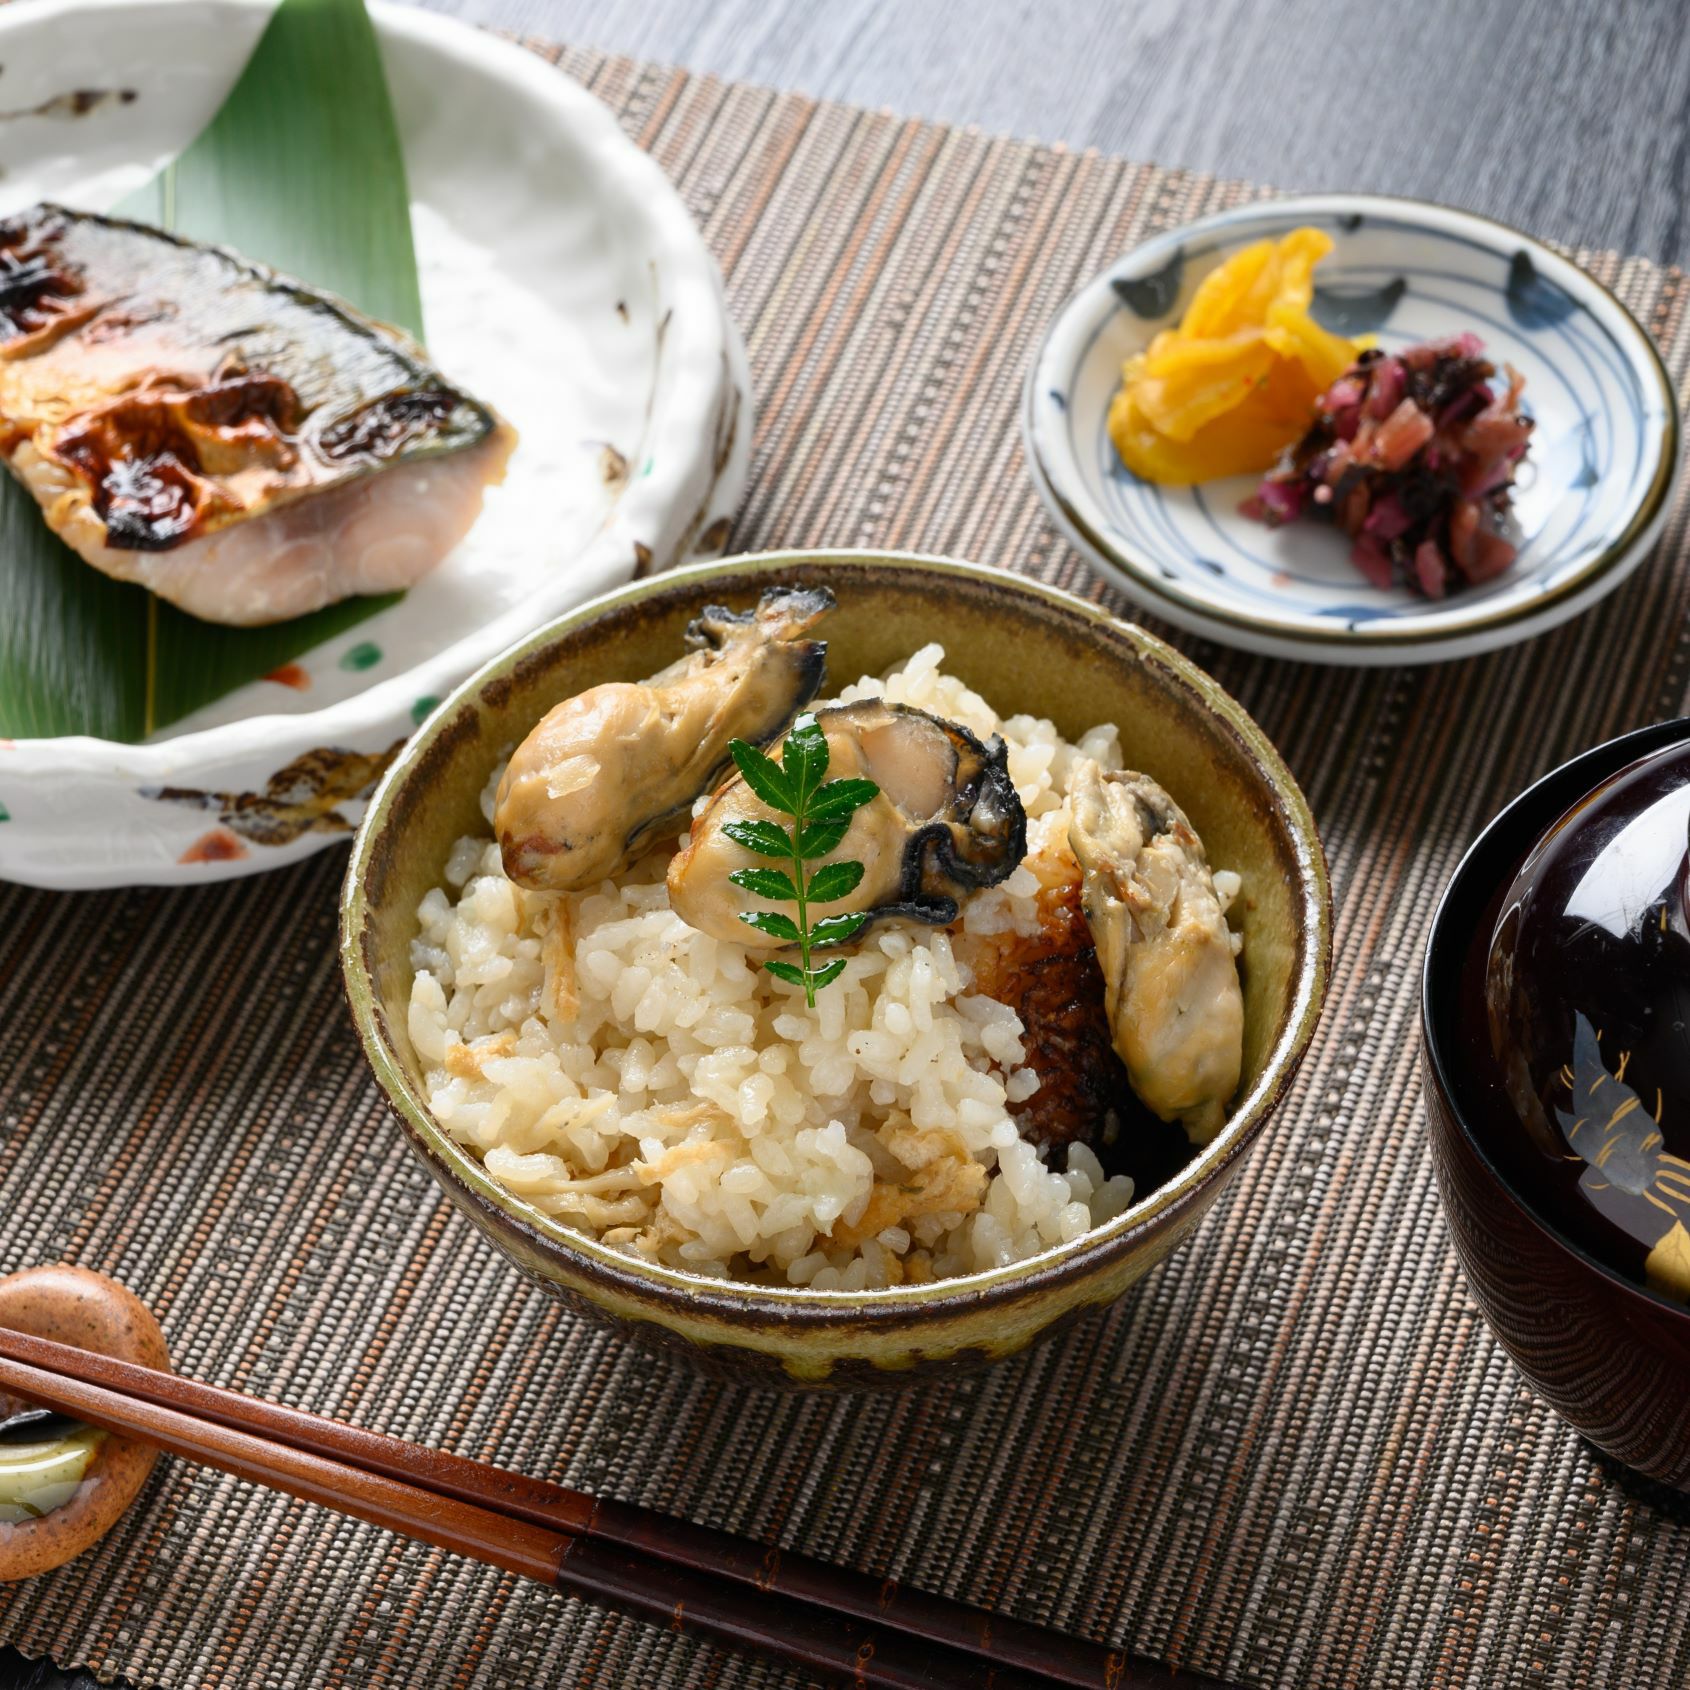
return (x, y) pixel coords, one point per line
(943, 1178)
(554, 921)
(606, 1199)
(464, 1062)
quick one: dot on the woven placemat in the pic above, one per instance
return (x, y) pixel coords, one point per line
(1293, 1456)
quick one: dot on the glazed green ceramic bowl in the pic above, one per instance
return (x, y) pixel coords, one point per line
(1026, 648)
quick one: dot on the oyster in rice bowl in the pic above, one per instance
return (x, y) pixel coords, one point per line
(956, 1098)
(945, 821)
(605, 772)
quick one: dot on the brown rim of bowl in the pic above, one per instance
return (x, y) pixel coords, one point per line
(1652, 510)
(799, 1305)
(1551, 794)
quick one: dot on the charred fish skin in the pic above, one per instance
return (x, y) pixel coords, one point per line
(604, 775)
(1170, 969)
(947, 822)
(155, 393)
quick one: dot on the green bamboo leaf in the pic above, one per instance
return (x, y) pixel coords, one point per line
(766, 883)
(805, 758)
(772, 922)
(816, 839)
(836, 929)
(302, 169)
(788, 971)
(833, 881)
(826, 974)
(73, 642)
(839, 799)
(764, 776)
(765, 838)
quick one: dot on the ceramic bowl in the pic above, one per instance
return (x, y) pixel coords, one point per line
(1609, 1356)
(1028, 648)
(1590, 501)
(562, 280)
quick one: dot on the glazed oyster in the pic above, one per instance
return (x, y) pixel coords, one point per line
(606, 774)
(946, 821)
(1169, 962)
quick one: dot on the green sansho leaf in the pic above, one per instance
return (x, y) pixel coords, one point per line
(836, 929)
(840, 798)
(805, 757)
(302, 169)
(833, 881)
(816, 839)
(765, 838)
(766, 883)
(794, 787)
(811, 979)
(826, 974)
(772, 922)
(764, 776)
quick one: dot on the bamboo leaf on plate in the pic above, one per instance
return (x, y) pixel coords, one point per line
(302, 169)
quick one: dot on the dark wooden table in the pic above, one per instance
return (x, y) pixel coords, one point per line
(1570, 118)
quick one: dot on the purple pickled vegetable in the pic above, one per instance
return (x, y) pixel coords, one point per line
(1388, 519)
(1413, 456)
(1386, 389)
(1372, 560)
(1431, 569)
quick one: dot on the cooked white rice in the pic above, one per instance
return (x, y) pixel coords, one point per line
(642, 1082)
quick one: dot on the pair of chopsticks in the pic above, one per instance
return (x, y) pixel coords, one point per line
(839, 1625)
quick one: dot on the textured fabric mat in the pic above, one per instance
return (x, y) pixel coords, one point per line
(1293, 1456)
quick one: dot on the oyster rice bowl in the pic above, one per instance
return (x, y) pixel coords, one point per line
(635, 1077)
(819, 1006)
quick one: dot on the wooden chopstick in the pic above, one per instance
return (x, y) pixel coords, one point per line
(994, 1638)
(836, 1646)
(738, 1590)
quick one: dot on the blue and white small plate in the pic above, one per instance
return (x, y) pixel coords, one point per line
(1590, 500)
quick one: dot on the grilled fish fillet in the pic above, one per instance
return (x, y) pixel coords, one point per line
(239, 444)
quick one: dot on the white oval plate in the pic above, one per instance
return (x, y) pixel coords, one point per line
(562, 280)
(1591, 500)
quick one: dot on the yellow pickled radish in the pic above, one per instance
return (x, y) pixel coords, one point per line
(1236, 382)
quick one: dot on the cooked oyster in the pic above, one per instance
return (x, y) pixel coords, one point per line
(947, 821)
(605, 773)
(1170, 976)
